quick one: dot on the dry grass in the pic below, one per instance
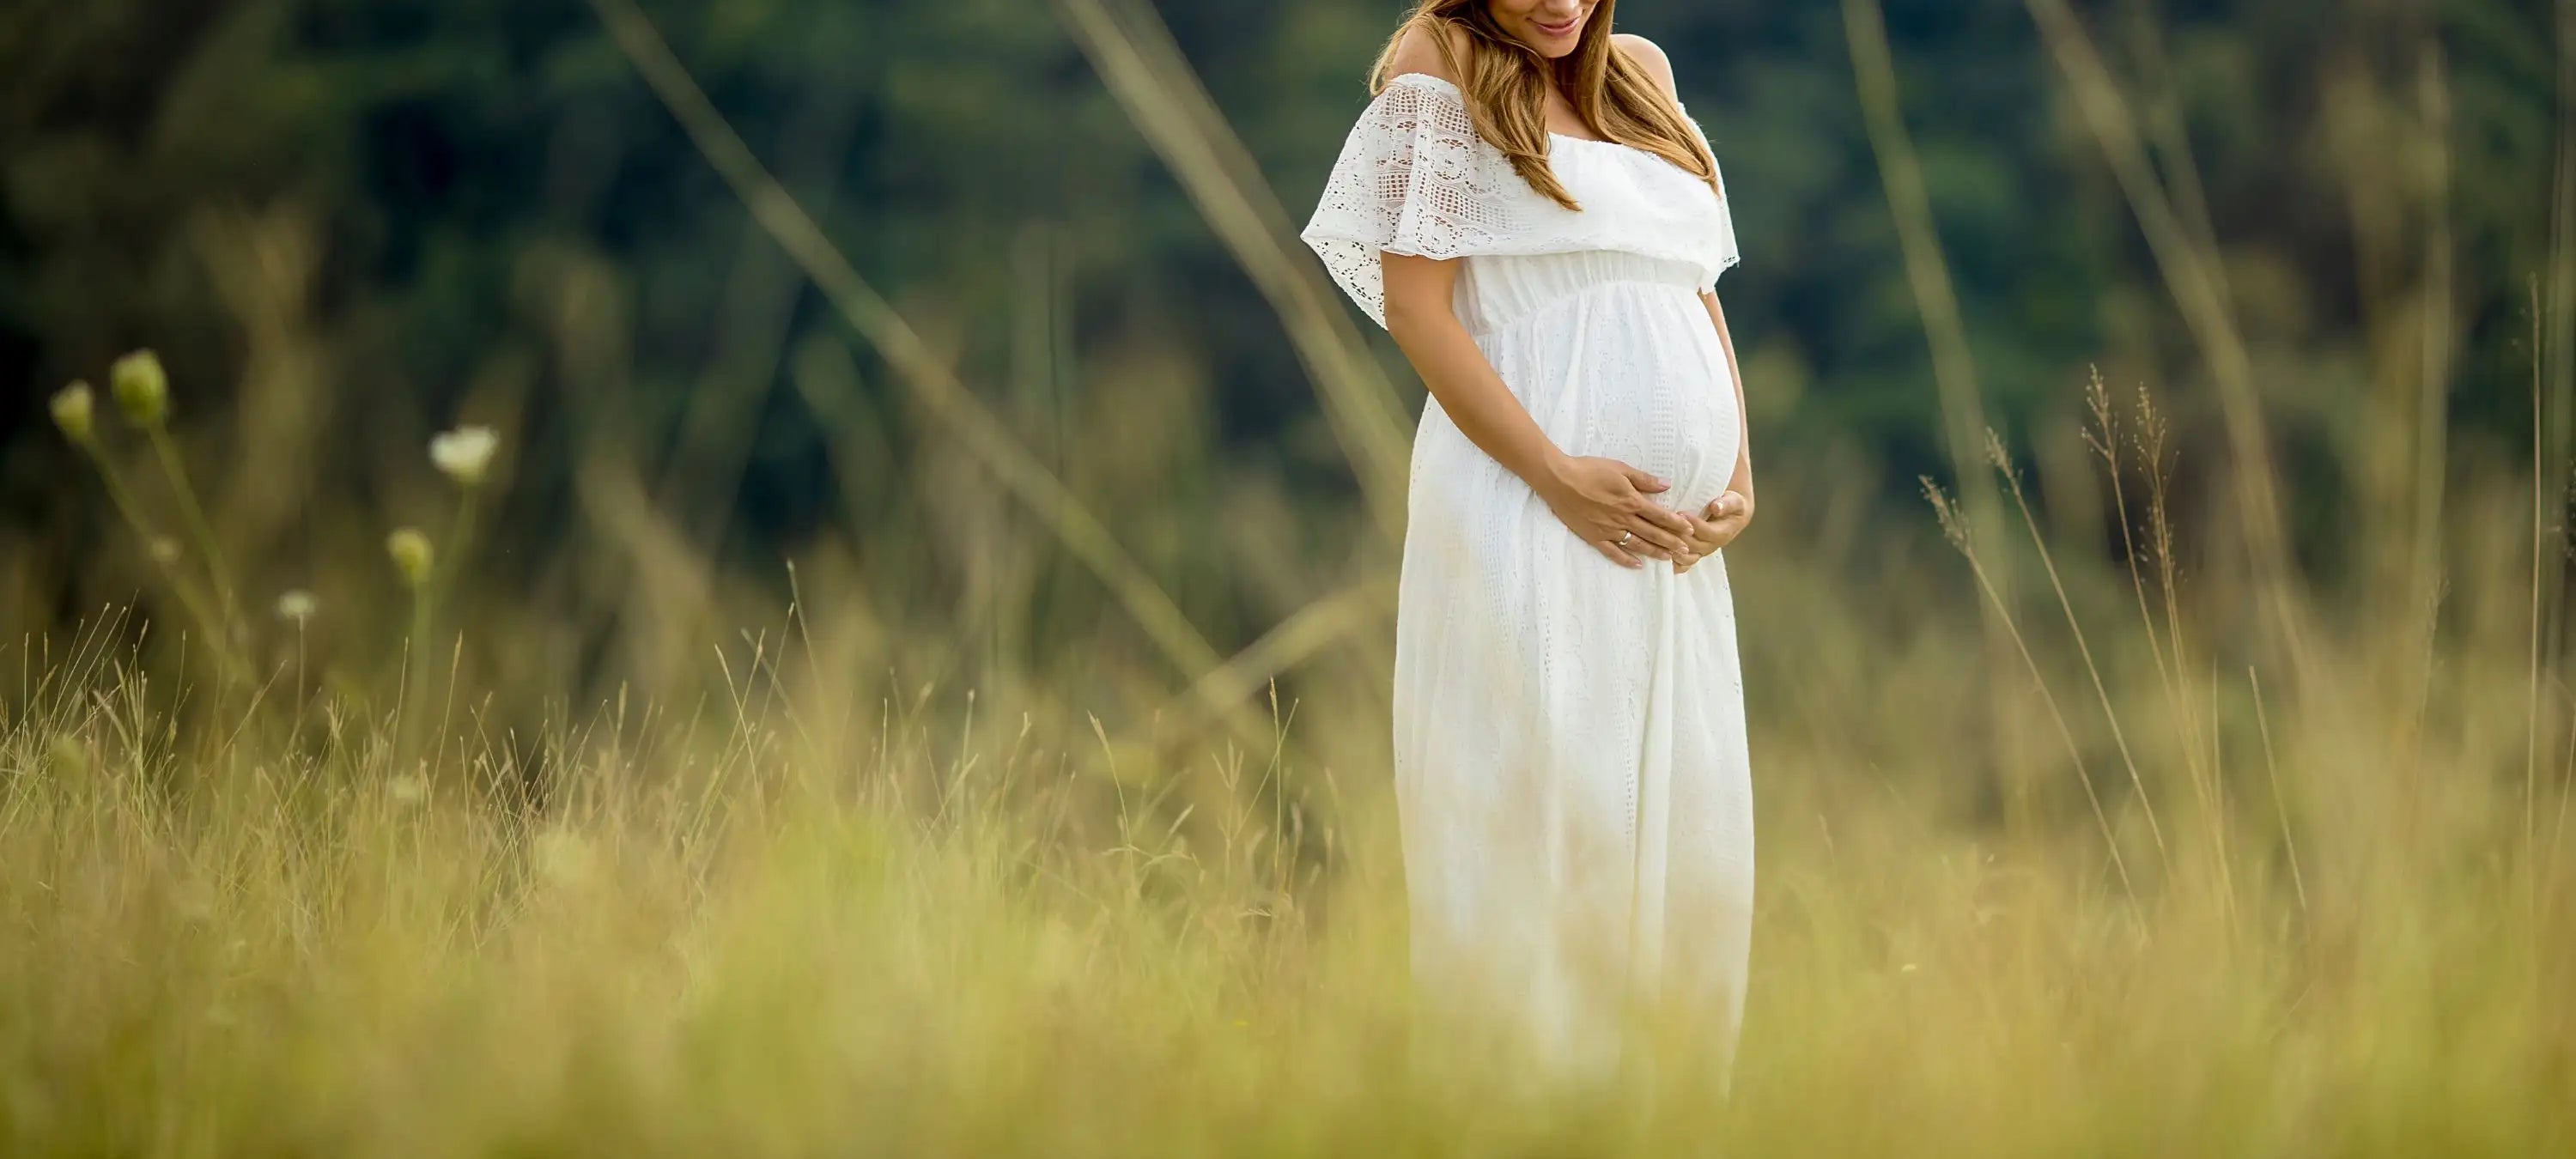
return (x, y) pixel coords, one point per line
(815, 913)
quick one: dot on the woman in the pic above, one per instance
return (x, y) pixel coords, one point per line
(1527, 208)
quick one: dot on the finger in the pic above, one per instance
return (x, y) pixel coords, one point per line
(1616, 554)
(1725, 505)
(1697, 550)
(1664, 518)
(1627, 534)
(1641, 534)
(1659, 536)
(1637, 547)
(1645, 481)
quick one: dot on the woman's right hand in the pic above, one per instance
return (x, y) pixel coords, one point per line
(1604, 501)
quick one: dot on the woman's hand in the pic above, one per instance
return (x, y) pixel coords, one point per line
(1604, 503)
(1725, 518)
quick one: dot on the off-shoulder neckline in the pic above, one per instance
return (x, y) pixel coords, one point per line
(1451, 87)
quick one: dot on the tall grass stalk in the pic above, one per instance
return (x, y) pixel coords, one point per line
(229, 664)
(2002, 463)
(2541, 553)
(2432, 412)
(194, 515)
(1135, 56)
(2103, 439)
(1927, 268)
(1957, 529)
(932, 382)
(2280, 805)
(2191, 272)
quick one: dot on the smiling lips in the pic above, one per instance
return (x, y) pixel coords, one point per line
(1565, 29)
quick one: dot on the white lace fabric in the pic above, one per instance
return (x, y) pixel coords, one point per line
(1571, 767)
(1415, 178)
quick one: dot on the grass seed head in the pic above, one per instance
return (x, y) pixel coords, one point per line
(412, 555)
(75, 411)
(142, 388)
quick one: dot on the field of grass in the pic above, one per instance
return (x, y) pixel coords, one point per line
(813, 910)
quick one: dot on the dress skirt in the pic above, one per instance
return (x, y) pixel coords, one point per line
(1572, 774)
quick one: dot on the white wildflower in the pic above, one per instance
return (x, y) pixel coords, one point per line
(298, 606)
(465, 453)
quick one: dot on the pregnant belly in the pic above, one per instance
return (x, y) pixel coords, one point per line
(1633, 373)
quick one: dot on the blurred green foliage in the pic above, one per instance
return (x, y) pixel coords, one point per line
(469, 175)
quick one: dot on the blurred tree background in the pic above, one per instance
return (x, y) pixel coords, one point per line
(347, 223)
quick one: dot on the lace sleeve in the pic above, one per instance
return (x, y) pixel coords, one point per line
(1413, 178)
(1729, 256)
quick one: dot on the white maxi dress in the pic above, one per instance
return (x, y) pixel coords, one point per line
(1572, 779)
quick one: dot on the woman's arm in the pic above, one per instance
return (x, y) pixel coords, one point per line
(1727, 515)
(1600, 500)
(1742, 483)
(1603, 501)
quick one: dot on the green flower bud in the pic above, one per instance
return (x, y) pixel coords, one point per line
(75, 412)
(142, 388)
(412, 555)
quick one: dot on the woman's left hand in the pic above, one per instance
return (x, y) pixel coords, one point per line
(1717, 525)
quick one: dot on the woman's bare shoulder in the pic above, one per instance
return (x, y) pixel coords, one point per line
(1647, 54)
(1417, 52)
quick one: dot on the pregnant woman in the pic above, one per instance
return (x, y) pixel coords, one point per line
(1530, 212)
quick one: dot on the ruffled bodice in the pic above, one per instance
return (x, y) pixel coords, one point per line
(1415, 178)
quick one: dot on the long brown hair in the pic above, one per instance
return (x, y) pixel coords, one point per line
(1505, 85)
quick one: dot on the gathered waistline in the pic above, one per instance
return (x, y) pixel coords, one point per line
(1589, 289)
